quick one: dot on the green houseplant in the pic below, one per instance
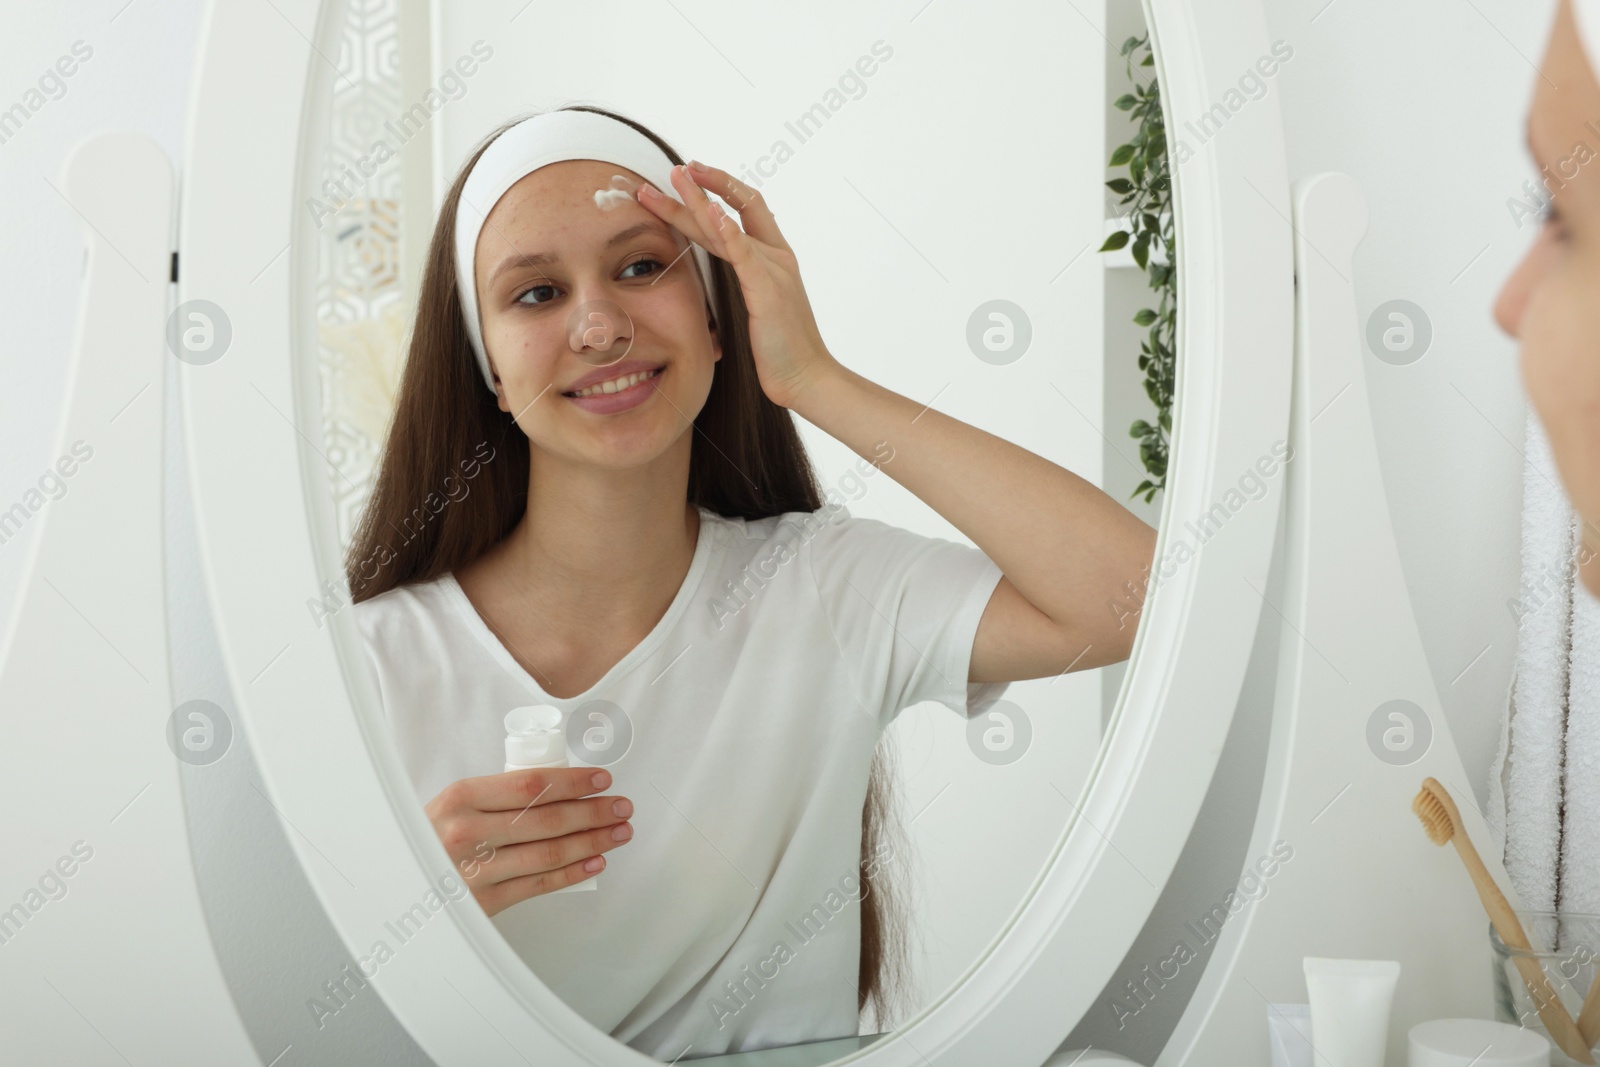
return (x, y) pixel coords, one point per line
(1147, 192)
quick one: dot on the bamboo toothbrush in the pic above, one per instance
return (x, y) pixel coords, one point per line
(1442, 820)
(1589, 1016)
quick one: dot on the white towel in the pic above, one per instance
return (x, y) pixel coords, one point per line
(1579, 887)
(1526, 784)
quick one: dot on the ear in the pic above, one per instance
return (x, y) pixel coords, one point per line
(716, 341)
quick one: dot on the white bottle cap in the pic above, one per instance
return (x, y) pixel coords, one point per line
(534, 737)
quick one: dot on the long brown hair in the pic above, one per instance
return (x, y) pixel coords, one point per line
(746, 461)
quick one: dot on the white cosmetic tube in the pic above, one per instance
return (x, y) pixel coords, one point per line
(1350, 1002)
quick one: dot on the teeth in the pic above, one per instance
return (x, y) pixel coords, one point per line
(616, 385)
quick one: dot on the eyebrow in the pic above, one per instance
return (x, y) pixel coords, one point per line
(540, 259)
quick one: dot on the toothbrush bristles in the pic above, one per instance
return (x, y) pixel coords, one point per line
(1435, 819)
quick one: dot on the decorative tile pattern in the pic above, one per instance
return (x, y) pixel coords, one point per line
(361, 320)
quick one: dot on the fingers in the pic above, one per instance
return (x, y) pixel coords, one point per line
(500, 896)
(735, 242)
(690, 217)
(544, 821)
(531, 868)
(707, 213)
(539, 859)
(498, 809)
(535, 867)
(515, 790)
(522, 833)
(755, 216)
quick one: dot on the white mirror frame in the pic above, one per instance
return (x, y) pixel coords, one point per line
(267, 534)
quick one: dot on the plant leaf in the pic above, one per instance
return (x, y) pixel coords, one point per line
(1117, 240)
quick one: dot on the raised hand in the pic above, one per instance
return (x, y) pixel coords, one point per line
(788, 347)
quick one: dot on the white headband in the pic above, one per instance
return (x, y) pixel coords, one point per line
(553, 137)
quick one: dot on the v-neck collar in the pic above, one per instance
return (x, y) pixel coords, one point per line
(502, 655)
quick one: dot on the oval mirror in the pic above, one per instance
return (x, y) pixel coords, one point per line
(900, 682)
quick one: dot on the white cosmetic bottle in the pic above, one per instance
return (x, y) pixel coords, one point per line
(534, 739)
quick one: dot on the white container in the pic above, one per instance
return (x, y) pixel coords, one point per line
(1478, 1042)
(534, 739)
(1350, 1001)
(1289, 1028)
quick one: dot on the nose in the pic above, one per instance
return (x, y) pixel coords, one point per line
(599, 330)
(1505, 316)
(1525, 279)
(1512, 300)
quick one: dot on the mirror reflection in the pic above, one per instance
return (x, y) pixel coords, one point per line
(748, 570)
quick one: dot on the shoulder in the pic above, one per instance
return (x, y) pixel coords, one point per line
(735, 532)
(399, 613)
(857, 561)
(831, 535)
(787, 535)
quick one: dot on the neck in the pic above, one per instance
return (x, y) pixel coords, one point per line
(604, 544)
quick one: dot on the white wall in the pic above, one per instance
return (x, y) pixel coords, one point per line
(1437, 171)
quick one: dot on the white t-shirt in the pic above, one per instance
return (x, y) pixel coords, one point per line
(730, 921)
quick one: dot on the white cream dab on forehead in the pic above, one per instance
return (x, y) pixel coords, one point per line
(621, 192)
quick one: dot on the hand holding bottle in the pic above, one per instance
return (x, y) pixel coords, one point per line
(523, 833)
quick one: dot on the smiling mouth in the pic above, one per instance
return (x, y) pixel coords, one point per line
(616, 385)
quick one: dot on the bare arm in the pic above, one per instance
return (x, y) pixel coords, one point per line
(1066, 548)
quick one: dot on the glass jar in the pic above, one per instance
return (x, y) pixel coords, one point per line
(1568, 945)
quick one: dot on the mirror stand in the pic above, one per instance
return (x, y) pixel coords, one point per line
(117, 937)
(1357, 723)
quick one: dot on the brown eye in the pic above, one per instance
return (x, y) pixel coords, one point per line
(533, 289)
(641, 262)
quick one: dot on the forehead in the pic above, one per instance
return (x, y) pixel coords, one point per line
(1562, 134)
(546, 199)
(1566, 97)
(552, 206)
